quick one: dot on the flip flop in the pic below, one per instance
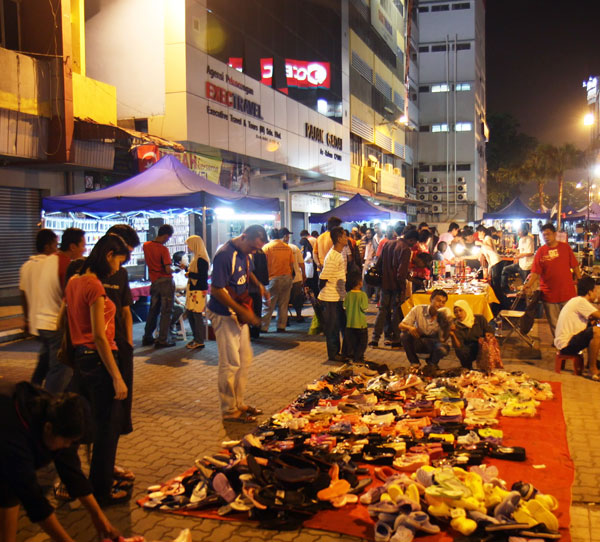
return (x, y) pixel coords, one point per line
(123, 474)
(252, 411)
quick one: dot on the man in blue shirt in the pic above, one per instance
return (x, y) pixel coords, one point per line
(230, 312)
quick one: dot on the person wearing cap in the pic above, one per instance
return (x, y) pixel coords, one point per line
(280, 262)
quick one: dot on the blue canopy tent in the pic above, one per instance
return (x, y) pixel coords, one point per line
(582, 214)
(168, 184)
(516, 210)
(357, 209)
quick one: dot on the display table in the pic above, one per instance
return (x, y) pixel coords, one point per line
(139, 289)
(480, 303)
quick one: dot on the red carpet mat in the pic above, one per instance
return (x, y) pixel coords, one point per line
(548, 467)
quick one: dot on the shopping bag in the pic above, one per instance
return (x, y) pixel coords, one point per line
(488, 356)
(315, 325)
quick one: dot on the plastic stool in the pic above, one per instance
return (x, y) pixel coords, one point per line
(577, 359)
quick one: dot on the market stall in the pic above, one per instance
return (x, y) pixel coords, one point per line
(358, 209)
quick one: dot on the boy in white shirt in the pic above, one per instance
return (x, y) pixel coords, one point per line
(333, 293)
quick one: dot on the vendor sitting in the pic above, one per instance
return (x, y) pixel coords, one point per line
(576, 328)
(465, 332)
(425, 329)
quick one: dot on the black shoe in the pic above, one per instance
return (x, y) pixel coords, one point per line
(396, 344)
(281, 330)
(147, 342)
(158, 344)
(374, 344)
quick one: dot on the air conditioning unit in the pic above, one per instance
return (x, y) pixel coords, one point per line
(423, 210)
(461, 187)
(461, 180)
(437, 209)
(461, 197)
(435, 180)
(389, 168)
(436, 197)
(422, 180)
(423, 197)
(422, 189)
(436, 188)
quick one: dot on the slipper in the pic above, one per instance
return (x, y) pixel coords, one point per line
(221, 485)
(242, 418)
(123, 474)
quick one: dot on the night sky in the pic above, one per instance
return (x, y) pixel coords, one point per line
(538, 54)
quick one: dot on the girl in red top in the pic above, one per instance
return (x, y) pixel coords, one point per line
(91, 317)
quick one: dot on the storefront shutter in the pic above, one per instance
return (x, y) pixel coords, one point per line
(19, 219)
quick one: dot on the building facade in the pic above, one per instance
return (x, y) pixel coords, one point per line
(451, 100)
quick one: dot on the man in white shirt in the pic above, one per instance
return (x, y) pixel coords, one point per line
(577, 325)
(523, 258)
(46, 243)
(333, 293)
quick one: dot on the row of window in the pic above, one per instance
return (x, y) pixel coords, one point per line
(445, 7)
(444, 87)
(443, 127)
(444, 47)
(443, 167)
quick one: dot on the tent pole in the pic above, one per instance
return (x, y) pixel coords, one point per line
(204, 239)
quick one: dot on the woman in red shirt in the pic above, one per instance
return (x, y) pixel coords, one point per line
(91, 317)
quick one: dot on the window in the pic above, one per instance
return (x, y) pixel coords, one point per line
(424, 128)
(440, 88)
(464, 5)
(355, 150)
(463, 167)
(464, 126)
(441, 167)
(424, 88)
(463, 46)
(439, 127)
(441, 7)
(424, 167)
(423, 9)
(424, 49)
(463, 86)
(437, 48)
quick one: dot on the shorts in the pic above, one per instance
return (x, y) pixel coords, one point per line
(579, 342)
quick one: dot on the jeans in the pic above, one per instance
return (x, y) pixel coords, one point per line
(162, 293)
(552, 311)
(41, 368)
(389, 305)
(495, 280)
(235, 358)
(355, 340)
(510, 270)
(279, 290)
(423, 345)
(176, 313)
(59, 375)
(334, 324)
(96, 386)
(197, 322)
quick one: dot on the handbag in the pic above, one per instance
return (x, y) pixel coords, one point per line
(488, 356)
(373, 275)
(66, 352)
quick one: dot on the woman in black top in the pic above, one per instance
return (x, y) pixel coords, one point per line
(195, 299)
(35, 429)
(466, 331)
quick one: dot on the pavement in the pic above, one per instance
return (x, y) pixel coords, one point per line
(177, 419)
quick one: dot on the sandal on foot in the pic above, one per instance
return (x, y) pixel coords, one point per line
(252, 411)
(61, 492)
(116, 496)
(123, 474)
(596, 377)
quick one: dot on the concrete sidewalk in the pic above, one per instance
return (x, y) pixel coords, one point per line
(177, 419)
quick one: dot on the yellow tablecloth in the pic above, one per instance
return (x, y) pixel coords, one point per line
(480, 303)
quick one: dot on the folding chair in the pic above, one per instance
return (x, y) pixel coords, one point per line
(512, 318)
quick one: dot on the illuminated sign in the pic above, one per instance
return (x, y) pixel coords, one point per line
(319, 135)
(231, 99)
(298, 73)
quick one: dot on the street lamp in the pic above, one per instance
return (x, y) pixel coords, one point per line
(588, 119)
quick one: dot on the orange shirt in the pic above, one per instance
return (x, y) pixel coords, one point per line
(157, 257)
(280, 258)
(81, 293)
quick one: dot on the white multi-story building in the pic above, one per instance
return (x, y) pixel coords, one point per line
(451, 109)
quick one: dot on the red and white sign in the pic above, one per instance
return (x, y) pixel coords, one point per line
(299, 73)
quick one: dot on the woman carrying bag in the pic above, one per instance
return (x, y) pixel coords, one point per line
(195, 297)
(91, 320)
